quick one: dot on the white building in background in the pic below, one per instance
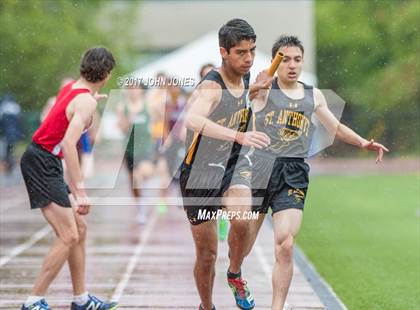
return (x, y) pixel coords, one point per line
(168, 25)
(183, 35)
(186, 61)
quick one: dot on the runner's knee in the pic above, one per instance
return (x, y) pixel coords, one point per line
(70, 238)
(206, 256)
(284, 247)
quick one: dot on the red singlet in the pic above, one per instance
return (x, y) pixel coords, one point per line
(53, 128)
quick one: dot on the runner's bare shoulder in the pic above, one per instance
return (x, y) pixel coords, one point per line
(207, 92)
(83, 104)
(319, 99)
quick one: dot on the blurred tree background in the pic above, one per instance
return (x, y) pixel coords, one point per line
(43, 41)
(368, 53)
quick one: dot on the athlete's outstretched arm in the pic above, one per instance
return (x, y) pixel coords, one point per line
(80, 113)
(202, 102)
(343, 132)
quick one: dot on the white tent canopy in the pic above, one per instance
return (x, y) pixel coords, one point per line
(186, 61)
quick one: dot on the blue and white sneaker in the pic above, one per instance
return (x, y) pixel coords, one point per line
(94, 304)
(39, 305)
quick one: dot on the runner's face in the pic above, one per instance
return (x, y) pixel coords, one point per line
(290, 68)
(240, 57)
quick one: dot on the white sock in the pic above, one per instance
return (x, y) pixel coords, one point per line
(81, 299)
(32, 299)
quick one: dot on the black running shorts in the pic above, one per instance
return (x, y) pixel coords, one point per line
(282, 183)
(202, 187)
(43, 176)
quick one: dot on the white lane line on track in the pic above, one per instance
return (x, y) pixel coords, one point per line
(7, 204)
(26, 245)
(119, 290)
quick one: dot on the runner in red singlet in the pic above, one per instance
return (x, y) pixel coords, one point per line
(63, 206)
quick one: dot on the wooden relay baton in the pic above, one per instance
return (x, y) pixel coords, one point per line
(273, 68)
(275, 64)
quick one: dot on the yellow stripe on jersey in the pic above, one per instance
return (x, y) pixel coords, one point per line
(191, 149)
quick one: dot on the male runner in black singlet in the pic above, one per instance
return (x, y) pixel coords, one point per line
(279, 172)
(214, 169)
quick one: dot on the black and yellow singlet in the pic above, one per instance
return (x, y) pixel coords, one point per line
(232, 112)
(287, 122)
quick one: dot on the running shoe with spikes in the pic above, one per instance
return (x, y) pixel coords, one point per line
(243, 297)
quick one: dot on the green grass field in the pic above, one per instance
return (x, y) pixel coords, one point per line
(363, 236)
